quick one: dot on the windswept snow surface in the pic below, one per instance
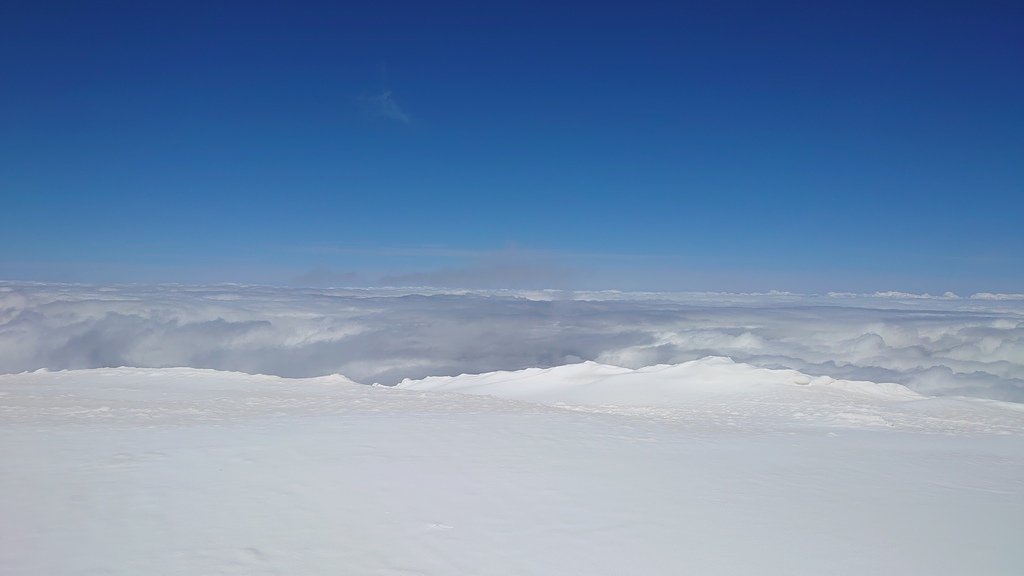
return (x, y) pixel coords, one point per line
(705, 467)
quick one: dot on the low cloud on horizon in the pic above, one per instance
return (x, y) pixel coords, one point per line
(936, 345)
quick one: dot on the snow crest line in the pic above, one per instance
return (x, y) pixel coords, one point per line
(712, 392)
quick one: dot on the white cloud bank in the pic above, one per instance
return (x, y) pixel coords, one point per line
(938, 345)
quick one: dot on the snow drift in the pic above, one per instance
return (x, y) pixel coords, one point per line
(705, 390)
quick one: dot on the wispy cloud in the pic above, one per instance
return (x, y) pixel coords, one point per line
(502, 269)
(383, 104)
(324, 276)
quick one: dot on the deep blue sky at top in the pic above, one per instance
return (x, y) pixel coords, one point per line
(713, 145)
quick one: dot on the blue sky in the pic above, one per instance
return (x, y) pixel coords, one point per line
(715, 146)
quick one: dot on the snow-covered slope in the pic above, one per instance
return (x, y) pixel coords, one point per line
(716, 389)
(701, 468)
(593, 383)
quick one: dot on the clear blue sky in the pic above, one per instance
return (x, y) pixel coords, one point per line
(721, 145)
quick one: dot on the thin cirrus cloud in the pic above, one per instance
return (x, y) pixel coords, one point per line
(500, 269)
(935, 345)
(326, 276)
(383, 104)
(511, 267)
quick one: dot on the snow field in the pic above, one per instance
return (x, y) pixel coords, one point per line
(185, 471)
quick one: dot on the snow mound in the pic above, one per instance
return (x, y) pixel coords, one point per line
(171, 396)
(590, 383)
(719, 392)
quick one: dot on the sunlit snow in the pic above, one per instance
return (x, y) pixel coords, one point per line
(709, 467)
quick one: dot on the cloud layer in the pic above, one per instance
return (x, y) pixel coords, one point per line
(935, 345)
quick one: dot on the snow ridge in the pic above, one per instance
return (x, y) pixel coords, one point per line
(662, 384)
(718, 392)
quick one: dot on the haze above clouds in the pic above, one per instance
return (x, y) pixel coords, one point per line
(943, 345)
